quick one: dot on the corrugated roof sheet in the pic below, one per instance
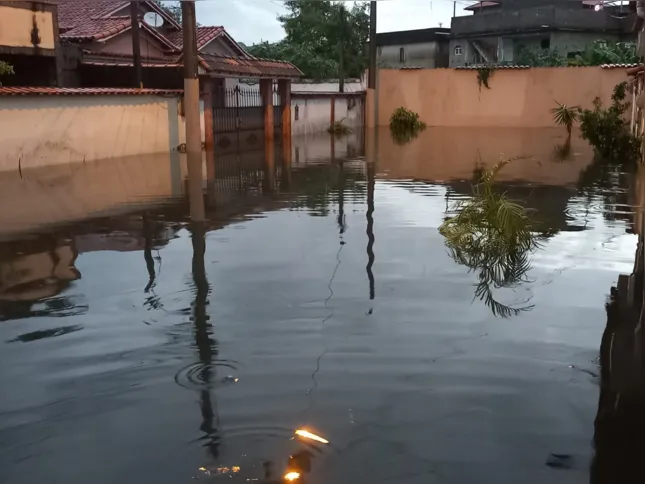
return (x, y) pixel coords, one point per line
(84, 91)
(250, 67)
(204, 36)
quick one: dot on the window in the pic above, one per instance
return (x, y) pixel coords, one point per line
(458, 50)
(401, 54)
(545, 43)
(380, 50)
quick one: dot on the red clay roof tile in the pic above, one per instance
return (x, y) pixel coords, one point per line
(78, 91)
(204, 36)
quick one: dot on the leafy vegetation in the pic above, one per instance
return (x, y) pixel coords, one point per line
(597, 53)
(5, 69)
(484, 73)
(324, 39)
(403, 119)
(405, 125)
(338, 128)
(172, 8)
(608, 131)
(494, 237)
(564, 115)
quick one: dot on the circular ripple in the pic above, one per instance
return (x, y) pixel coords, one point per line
(200, 376)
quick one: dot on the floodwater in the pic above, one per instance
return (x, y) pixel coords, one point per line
(136, 346)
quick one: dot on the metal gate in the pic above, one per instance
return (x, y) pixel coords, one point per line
(238, 117)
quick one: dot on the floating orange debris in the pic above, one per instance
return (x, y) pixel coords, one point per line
(308, 435)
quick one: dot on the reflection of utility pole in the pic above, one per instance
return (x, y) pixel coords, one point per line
(206, 346)
(148, 237)
(136, 45)
(341, 197)
(370, 226)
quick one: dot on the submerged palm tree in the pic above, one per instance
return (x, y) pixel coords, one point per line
(494, 236)
(564, 115)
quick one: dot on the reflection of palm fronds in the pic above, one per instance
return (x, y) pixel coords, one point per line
(562, 152)
(494, 236)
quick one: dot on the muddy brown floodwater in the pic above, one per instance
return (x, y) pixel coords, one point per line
(136, 346)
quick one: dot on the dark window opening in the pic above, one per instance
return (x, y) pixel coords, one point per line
(545, 43)
(401, 54)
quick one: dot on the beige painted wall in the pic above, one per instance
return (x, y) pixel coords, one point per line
(516, 98)
(16, 25)
(54, 130)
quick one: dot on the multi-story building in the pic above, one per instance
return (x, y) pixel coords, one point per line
(498, 30)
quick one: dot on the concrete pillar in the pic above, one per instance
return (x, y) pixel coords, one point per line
(206, 94)
(332, 111)
(266, 92)
(284, 89)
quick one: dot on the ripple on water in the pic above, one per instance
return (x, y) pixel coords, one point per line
(201, 376)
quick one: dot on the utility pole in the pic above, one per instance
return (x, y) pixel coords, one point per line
(136, 44)
(191, 81)
(191, 111)
(371, 80)
(454, 8)
(341, 51)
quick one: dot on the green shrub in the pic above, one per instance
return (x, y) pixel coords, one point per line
(403, 119)
(608, 131)
(484, 73)
(338, 128)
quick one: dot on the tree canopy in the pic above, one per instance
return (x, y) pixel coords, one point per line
(172, 8)
(323, 39)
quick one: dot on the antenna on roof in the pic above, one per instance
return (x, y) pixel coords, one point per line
(153, 19)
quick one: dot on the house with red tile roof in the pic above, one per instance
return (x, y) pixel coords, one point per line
(95, 47)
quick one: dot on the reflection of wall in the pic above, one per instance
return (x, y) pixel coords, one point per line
(35, 276)
(319, 147)
(516, 98)
(53, 130)
(454, 153)
(57, 194)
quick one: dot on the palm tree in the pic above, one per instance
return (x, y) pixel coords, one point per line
(565, 115)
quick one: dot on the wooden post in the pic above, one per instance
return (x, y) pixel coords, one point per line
(332, 111)
(136, 44)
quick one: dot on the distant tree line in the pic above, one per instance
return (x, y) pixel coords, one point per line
(325, 40)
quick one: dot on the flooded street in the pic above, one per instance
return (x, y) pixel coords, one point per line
(136, 346)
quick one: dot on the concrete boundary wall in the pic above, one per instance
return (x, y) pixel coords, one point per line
(520, 98)
(49, 130)
(313, 112)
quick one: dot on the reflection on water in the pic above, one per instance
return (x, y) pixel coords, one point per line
(193, 350)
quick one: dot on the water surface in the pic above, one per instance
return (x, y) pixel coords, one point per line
(136, 346)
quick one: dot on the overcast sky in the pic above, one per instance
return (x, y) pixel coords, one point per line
(250, 21)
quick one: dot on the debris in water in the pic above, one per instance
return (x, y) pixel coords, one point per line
(308, 435)
(559, 461)
(230, 379)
